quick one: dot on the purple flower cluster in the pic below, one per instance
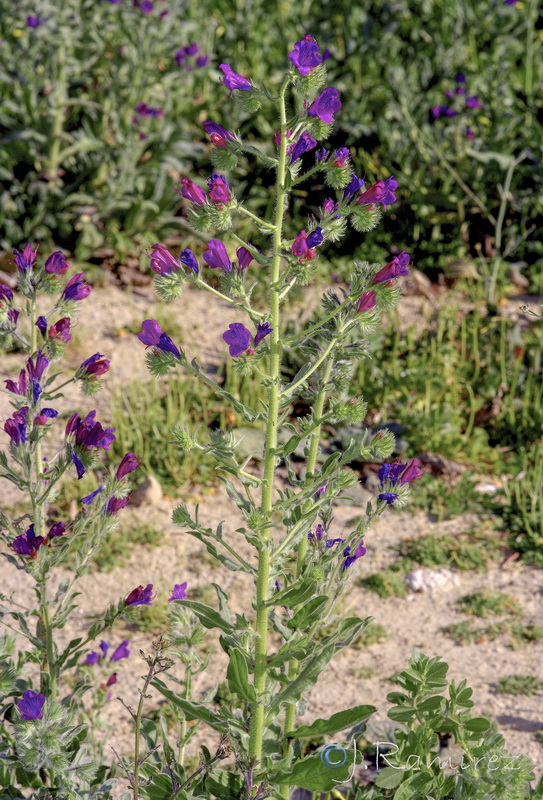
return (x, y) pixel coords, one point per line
(216, 257)
(93, 367)
(304, 245)
(121, 651)
(382, 192)
(185, 57)
(303, 145)
(87, 433)
(306, 55)
(397, 475)
(218, 191)
(238, 337)
(319, 536)
(28, 544)
(353, 555)
(471, 103)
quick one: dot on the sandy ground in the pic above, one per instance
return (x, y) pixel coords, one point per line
(414, 622)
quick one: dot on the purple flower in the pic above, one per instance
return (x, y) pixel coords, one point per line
(202, 61)
(129, 464)
(113, 677)
(21, 387)
(104, 647)
(56, 264)
(25, 260)
(58, 529)
(380, 192)
(333, 542)
(188, 258)
(76, 289)
(460, 90)
(153, 336)
(321, 154)
(449, 94)
(218, 135)
(140, 596)
(325, 106)
(473, 102)
(27, 543)
(366, 301)
(395, 268)
(303, 246)
(244, 257)
(89, 432)
(78, 464)
(218, 190)
(329, 207)
(341, 157)
(355, 185)
(358, 553)
(191, 191)
(31, 705)
(61, 329)
(263, 330)
(237, 338)
(234, 81)
(318, 535)
(179, 592)
(319, 493)
(162, 260)
(411, 472)
(94, 366)
(146, 6)
(121, 651)
(33, 22)
(41, 325)
(216, 256)
(36, 371)
(91, 658)
(306, 55)
(469, 133)
(15, 427)
(5, 293)
(180, 57)
(460, 78)
(115, 504)
(315, 238)
(436, 111)
(389, 497)
(304, 143)
(45, 415)
(90, 497)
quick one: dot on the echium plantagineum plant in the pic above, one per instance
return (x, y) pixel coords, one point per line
(43, 743)
(301, 565)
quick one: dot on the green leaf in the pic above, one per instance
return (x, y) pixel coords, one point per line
(237, 675)
(307, 678)
(337, 722)
(308, 614)
(191, 710)
(477, 724)
(389, 778)
(160, 788)
(294, 595)
(412, 788)
(208, 616)
(314, 774)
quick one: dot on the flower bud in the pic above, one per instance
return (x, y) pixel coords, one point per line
(383, 443)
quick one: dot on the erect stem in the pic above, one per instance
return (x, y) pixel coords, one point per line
(151, 673)
(36, 485)
(302, 547)
(262, 612)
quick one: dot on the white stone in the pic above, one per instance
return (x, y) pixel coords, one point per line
(430, 580)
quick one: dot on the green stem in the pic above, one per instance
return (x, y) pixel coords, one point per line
(291, 388)
(499, 228)
(58, 114)
(318, 409)
(315, 327)
(135, 785)
(186, 695)
(262, 611)
(257, 219)
(204, 285)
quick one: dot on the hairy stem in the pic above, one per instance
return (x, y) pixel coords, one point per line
(262, 612)
(318, 408)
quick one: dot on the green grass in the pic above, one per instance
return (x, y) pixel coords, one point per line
(487, 604)
(518, 634)
(520, 685)
(118, 545)
(373, 634)
(466, 551)
(388, 582)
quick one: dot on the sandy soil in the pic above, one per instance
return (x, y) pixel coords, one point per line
(414, 622)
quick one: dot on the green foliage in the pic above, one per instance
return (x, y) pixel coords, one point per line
(463, 551)
(486, 604)
(520, 685)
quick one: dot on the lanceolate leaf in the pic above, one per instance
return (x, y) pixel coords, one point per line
(237, 675)
(337, 722)
(315, 774)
